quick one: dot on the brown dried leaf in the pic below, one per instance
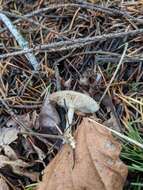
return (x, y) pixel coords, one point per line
(3, 184)
(18, 167)
(25, 118)
(13, 163)
(39, 152)
(94, 165)
(112, 122)
(8, 135)
(48, 117)
(9, 152)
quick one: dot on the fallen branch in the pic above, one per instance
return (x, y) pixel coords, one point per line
(80, 4)
(70, 44)
(110, 11)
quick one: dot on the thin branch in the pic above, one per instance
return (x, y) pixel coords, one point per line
(43, 135)
(77, 43)
(80, 4)
(109, 56)
(110, 11)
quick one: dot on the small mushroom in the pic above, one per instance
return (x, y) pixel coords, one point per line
(74, 101)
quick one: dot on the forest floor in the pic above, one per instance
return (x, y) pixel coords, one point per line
(93, 47)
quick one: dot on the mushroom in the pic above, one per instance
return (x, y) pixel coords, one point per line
(74, 101)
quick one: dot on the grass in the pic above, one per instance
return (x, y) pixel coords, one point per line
(133, 157)
(31, 186)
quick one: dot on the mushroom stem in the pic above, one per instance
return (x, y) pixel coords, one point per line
(70, 115)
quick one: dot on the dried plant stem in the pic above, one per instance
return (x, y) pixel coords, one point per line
(81, 4)
(19, 38)
(115, 73)
(70, 44)
(110, 11)
(112, 57)
(70, 115)
(26, 19)
(57, 75)
(44, 135)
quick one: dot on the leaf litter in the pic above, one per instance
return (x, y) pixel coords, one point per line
(94, 147)
(11, 135)
(3, 184)
(8, 135)
(95, 164)
(48, 118)
(79, 45)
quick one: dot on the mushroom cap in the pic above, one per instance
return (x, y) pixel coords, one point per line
(76, 100)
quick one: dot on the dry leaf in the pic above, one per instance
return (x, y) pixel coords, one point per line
(18, 167)
(48, 117)
(25, 118)
(3, 184)
(3, 161)
(93, 165)
(13, 163)
(40, 153)
(112, 122)
(8, 135)
(9, 152)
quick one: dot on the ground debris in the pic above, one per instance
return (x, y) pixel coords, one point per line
(89, 46)
(95, 164)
